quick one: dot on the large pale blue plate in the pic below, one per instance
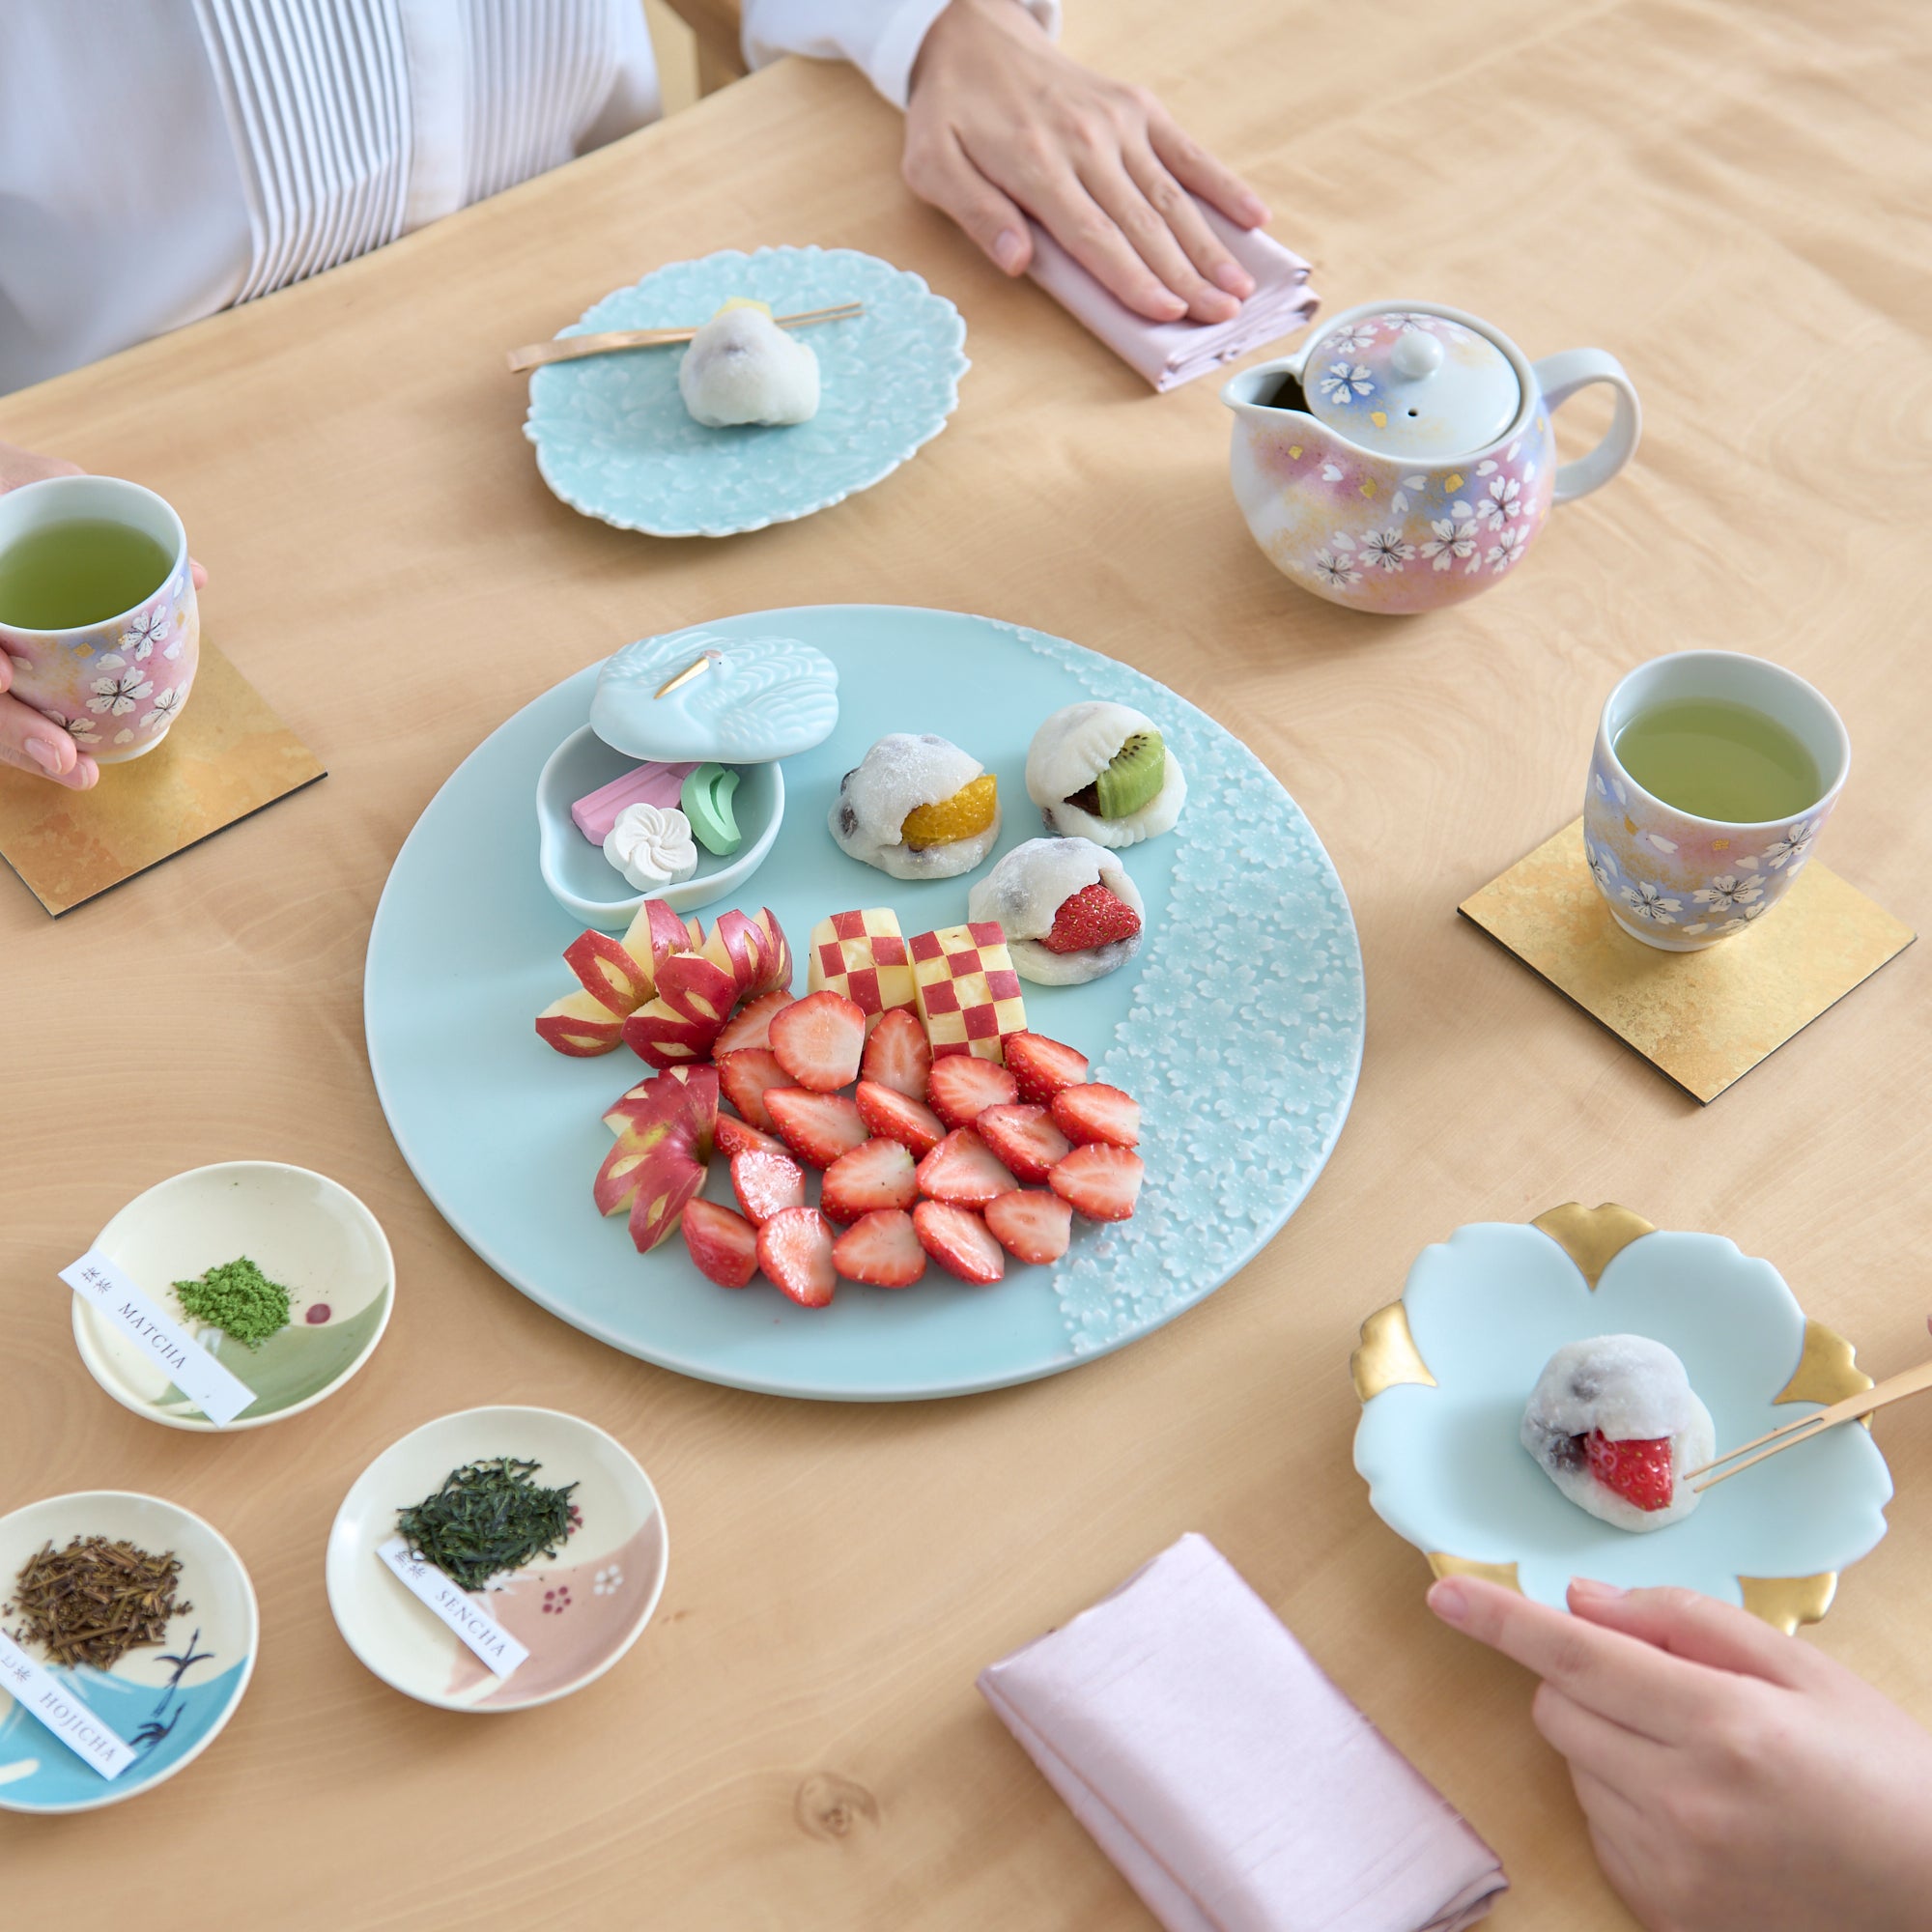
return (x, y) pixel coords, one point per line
(1238, 1026)
(614, 440)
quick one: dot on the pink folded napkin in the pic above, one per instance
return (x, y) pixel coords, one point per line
(1169, 354)
(1234, 1787)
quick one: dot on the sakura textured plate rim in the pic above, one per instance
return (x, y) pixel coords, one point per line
(1243, 1003)
(402, 1642)
(1444, 1372)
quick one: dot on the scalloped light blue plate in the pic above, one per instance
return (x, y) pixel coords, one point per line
(614, 440)
(1244, 1005)
(1489, 1307)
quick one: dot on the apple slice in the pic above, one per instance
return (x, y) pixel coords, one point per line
(580, 1026)
(663, 1037)
(654, 935)
(743, 948)
(660, 1159)
(608, 972)
(699, 988)
(778, 972)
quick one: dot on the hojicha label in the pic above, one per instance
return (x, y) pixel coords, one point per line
(42, 1695)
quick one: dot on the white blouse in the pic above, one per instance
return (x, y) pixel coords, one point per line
(162, 158)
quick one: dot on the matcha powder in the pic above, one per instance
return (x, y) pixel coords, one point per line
(239, 1300)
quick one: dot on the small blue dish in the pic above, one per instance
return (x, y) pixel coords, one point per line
(1444, 1372)
(614, 440)
(589, 887)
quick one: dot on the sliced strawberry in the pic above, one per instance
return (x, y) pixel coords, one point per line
(724, 1245)
(1101, 1182)
(877, 1174)
(1042, 1066)
(1030, 1224)
(751, 1025)
(956, 1238)
(1092, 916)
(897, 1117)
(881, 1248)
(1024, 1138)
(899, 1055)
(795, 1250)
(744, 1075)
(963, 1085)
(817, 1127)
(1097, 1113)
(964, 1170)
(1637, 1468)
(818, 1041)
(766, 1185)
(732, 1135)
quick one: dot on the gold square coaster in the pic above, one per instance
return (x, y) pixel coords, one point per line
(228, 755)
(1705, 1019)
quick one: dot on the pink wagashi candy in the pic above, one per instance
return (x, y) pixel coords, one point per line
(661, 785)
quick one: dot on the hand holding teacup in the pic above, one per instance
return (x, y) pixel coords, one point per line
(56, 719)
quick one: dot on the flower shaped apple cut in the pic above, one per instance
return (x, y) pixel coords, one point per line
(1443, 1375)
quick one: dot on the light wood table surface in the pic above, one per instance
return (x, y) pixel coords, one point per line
(1731, 197)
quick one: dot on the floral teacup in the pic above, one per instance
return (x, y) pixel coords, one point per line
(116, 686)
(1679, 882)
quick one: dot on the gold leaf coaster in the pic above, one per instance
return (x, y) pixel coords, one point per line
(228, 755)
(1704, 1019)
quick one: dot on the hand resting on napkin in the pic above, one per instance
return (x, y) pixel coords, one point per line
(1234, 1787)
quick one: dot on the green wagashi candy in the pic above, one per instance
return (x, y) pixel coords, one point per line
(706, 801)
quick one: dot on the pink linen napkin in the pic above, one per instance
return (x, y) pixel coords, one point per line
(1234, 1787)
(1169, 354)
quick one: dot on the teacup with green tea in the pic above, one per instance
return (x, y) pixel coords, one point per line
(1712, 775)
(97, 610)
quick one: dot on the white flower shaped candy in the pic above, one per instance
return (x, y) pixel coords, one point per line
(651, 846)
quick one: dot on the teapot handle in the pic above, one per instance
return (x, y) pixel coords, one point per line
(1560, 377)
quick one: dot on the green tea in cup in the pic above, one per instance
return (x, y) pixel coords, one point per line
(1711, 757)
(82, 571)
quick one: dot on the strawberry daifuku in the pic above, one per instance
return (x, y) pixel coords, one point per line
(1067, 907)
(1613, 1423)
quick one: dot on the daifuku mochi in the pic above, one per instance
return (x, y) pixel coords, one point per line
(1613, 1422)
(1025, 892)
(743, 368)
(901, 773)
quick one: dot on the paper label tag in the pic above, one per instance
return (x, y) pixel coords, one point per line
(219, 1395)
(38, 1691)
(498, 1651)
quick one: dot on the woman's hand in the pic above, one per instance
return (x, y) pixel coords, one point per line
(28, 740)
(1734, 1779)
(1001, 121)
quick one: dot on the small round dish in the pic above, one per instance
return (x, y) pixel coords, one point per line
(168, 1701)
(300, 1229)
(582, 880)
(614, 440)
(1444, 1372)
(575, 1616)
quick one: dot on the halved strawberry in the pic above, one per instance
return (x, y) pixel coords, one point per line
(1024, 1138)
(895, 1116)
(744, 1076)
(766, 1185)
(724, 1245)
(1637, 1468)
(963, 1085)
(956, 1238)
(751, 1025)
(1092, 916)
(817, 1127)
(1097, 1113)
(732, 1135)
(795, 1250)
(818, 1041)
(964, 1170)
(898, 1054)
(1101, 1182)
(1030, 1224)
(881, 1248)
(1042, 1066)
(877, 1174)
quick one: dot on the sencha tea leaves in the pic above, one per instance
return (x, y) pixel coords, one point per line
(487, 1517)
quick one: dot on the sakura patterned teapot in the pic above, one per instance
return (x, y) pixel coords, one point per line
(1404, 459)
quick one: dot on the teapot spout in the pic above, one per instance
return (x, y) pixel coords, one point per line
(1267, 391)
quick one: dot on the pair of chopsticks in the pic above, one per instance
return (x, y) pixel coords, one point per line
(569, 347)
(1912, 1381)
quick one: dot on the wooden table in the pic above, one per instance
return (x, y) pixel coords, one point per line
(1726, 196)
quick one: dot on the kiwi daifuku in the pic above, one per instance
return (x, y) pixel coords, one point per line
(1103, 771)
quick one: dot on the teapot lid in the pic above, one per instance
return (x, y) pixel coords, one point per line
(1405, 382)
